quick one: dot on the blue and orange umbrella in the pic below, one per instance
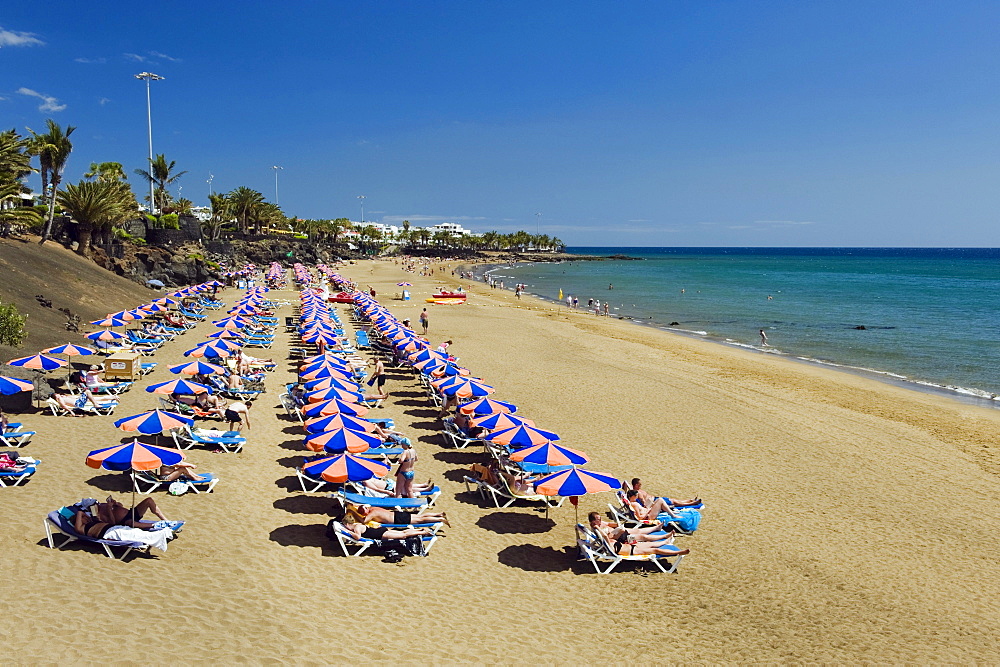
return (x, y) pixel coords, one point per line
(346, 468)
(326, 383)
(208, 352)
(500, 420)
(574, 482)
(133, 456)
(550, 454)
(327, 372)
(38, 362)
(197, 368)
(153, 422)
(521, 436)
(70, 350)
(342, 440)
(9, 385)
(338, 421)
(179, 386)
(224, 333)
(106, 335)
(486, 406)
(464, 387)
(334, 406)
(334, 392)
(109, 322)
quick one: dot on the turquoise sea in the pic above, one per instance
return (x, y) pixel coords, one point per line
(929, 315)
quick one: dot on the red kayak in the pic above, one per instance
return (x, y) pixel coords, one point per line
(449, 295)
(342, 297)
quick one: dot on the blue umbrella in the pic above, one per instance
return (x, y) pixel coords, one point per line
(154, 421)
(133, 455)
(185, 387)
(10, 385)
(39, 362)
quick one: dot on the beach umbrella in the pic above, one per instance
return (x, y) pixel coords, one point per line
(153, 308)
(466, 388)
(38, 362)
(339, 364)
(521, 436)
(334, 392)
(69, 349)
(106, 335)
(334, 406)
(346, 468)
(224, 333)
(486, 406)
(341, 421)
(208, 351)
(125, 315)
(327, 372)
(449, 370)
(230, 325)
(109, 322)
(196, 368)
(133, 456)
(9, 385)
(179, 386)
(575, 482)
(550, 454)
(326, 383)
(500, 420)
(341, 440)
(153, 422)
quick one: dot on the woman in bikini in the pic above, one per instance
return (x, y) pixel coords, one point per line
(405, 472)
(367, 514)
(361, 531)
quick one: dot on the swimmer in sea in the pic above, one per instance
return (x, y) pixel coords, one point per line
(763, 338)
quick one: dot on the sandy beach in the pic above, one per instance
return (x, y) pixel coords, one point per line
(846, 520)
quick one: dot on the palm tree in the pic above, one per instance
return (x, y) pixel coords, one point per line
(15, 164)
(96, 205)
(106, 171)
(221, 214)
(160, 174)
(53, 149)
(244, 202)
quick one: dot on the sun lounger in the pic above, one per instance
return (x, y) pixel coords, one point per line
(456, 436)
(147, 481)
(594, 547)
(309, 483)
(430, 496)
(624, 515)
(503, 496)
(86, 408)
(192, 315)
(60, 522)
(228, 441)
(352, 546)
(16, 438)
(382, 453)
(113, 389)
(15, 477)
(384, 503)
(291, 407)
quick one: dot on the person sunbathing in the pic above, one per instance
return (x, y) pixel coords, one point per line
(92, 379)
(74, 403)
(178, 322)
(648, 499)
(652, 512)
(368, 514)
(628, 545)
(522, 485)
(361, 531)
(391, 436)
(180, 470)
(613, 531)
(116, 514)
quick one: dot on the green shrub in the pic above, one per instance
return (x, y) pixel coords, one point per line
(170, 221)
(11, 325)
(152, 220)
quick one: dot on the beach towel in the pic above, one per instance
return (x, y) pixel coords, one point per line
(154, 538)
(687, 519)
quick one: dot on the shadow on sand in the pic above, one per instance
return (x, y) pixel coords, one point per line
(515, 523)
(533, 558)
(305, 504)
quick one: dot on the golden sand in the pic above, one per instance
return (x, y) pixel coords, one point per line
(846, 520)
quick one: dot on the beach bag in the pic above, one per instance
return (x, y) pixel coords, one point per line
(178, 488)
(6, 462)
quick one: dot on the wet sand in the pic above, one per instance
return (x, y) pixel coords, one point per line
(846, 520)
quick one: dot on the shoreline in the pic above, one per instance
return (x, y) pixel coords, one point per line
(964, 395)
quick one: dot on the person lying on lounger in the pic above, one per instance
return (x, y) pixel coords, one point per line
(368, 514)
(648, 499)
(657, 507)
(613, 531)
(116, 514)
(361, 531)
(628, 545)
(180, 470)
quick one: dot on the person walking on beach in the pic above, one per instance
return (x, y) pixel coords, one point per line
(763, 338)
(238, 413)
(606, 305)
(424, 317)
(378, 376)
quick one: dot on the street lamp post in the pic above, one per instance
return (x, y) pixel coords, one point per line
(149, 76)
(209, 181)
(276, 168)
(362, 198)
(538, 223)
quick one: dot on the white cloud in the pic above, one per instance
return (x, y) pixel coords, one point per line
(15, 38)
(163, 56)
(136, 57)
(49, 103)
(103, 101)
(783, 222)
(90, 61)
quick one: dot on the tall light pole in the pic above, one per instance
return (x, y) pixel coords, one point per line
(362, 198)
(149, 76)
(276, 169)
(209, 181)
(538, 223)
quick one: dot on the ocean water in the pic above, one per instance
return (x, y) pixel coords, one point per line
(930, 315)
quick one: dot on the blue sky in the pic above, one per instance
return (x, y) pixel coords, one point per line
(669, 123)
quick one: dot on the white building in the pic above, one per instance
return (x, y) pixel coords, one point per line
(452, 228)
